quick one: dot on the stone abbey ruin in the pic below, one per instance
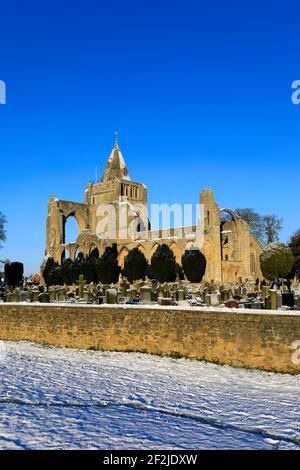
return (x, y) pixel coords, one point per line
(115, 211)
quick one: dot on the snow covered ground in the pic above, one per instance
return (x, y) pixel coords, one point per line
(70, 399)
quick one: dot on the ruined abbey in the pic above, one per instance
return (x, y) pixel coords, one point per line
(115, 211)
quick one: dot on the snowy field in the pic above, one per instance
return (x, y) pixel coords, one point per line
(69, 399)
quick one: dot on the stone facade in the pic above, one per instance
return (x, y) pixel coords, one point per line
(115, 211)
(244, 339)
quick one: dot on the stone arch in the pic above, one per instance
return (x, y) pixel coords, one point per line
(233, 214)
(65, 221)
(142, 249)
(122, 255)
(78, 216)
(230, 236)
(175, 248)
(153, 249)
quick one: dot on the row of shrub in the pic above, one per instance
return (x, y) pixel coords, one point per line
(106, 270)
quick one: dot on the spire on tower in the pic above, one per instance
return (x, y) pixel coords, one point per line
(115, 166)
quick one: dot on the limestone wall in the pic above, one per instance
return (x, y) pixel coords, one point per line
(257, 340)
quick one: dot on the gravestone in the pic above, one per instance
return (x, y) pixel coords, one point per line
(231, 303)
(34, 296)
(61, 294)
(44, 298)
(24, 296)
(180, 294)
(166, 301)
(52, 293)
(145, 294)
(279, 300)
(288, 299)
(225, 295)
(207, 300)
(15, 296)
(112, 296)
(215, 299)
(265, 292)
(8, 297)
(273, 299)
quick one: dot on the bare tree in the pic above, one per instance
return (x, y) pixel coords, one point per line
(254, 220)
(272, 225)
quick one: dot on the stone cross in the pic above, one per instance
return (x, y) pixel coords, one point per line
(81, 284)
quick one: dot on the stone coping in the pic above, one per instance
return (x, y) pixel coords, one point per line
(168, 308)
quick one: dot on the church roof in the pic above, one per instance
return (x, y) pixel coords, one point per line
(115, 166)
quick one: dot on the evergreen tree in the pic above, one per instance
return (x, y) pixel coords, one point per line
(163, 264)
(14, 273)
(194, 265)
(87, 268)
(276, 261)
(52, 273)
(135, 265)
(107, 268)
(47, 272)
(294, 243)
(66, 271)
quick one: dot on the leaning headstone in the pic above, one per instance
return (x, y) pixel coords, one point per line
(8, 297)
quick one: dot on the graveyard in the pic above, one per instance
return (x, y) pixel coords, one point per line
(248, 295)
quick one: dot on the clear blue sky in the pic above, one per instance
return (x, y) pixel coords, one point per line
(198, 90)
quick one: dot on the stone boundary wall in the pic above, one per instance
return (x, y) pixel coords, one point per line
(252, 339)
